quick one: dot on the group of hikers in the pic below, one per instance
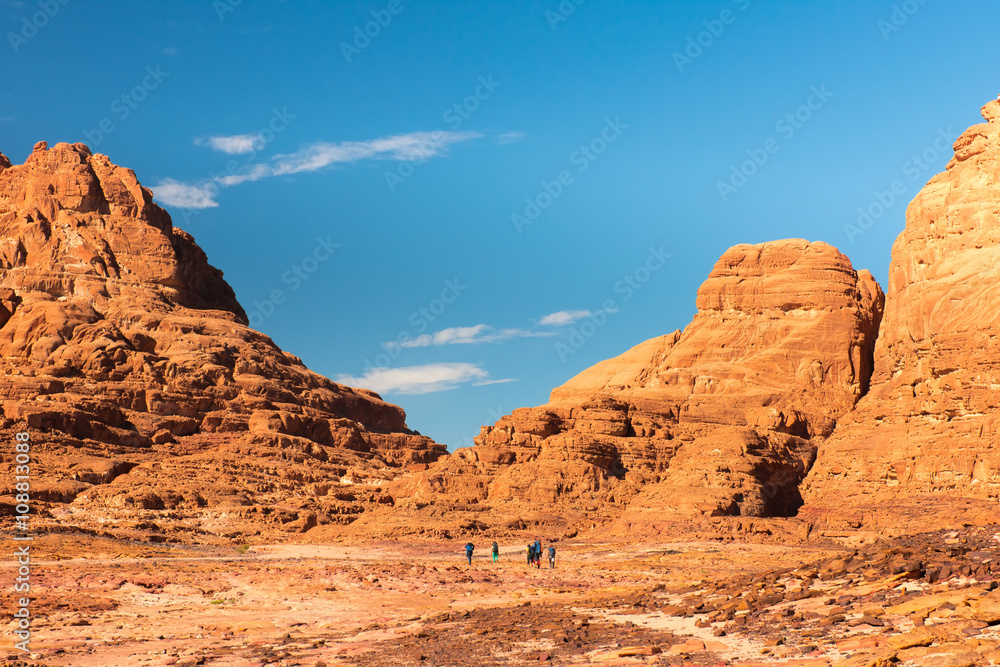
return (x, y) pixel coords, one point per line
(534, 553)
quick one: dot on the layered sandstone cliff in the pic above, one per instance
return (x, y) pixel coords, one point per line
(929, 430)
(129, 360)
(722, 419)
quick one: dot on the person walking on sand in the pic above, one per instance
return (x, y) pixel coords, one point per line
(538, 553)
(469, 548)
(531, 554)
(552, 556)
(496, 552)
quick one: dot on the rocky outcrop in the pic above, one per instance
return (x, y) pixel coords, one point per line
(129, 360)
(929, 430)
(722, 419)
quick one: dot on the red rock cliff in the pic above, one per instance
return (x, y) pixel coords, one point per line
(928, 433)
(128, 357)
(722, 419)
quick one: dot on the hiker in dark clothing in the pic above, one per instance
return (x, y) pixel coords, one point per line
(552, 556)
(531, 554)
(496, 552)
(469, 548)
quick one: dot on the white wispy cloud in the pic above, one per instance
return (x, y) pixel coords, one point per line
(170, 51)
(183, 195)
(563, 318)
(510, 137)
(481, 333)
(313, 157)
(255, 174)
(483, 383)
(424, 379)
(236, 144)
(413, 146)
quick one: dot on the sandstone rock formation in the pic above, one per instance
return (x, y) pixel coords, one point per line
(929, 430)
(129, 360)
(722, 419)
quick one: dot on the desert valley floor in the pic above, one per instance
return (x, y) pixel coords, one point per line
(921, 600)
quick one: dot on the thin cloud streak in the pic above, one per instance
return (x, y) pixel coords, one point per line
(182, 195)
(426, 379)
(563, 318)
(481, 333)
(489, 382)
(413, 146)
(510, 137)
(314, 157)
(237, 144)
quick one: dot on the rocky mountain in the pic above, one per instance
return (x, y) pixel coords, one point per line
(723, 418)
(794, 364)
(798, 390)
(129, 360)
(924, 445)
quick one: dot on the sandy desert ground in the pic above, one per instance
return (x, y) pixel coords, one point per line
(381, 604)
(924, 600)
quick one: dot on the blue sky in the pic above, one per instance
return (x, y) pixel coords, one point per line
(476, 200)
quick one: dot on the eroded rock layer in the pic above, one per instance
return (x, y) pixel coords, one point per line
(722, 419)
(129, 360)
(930, 427)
